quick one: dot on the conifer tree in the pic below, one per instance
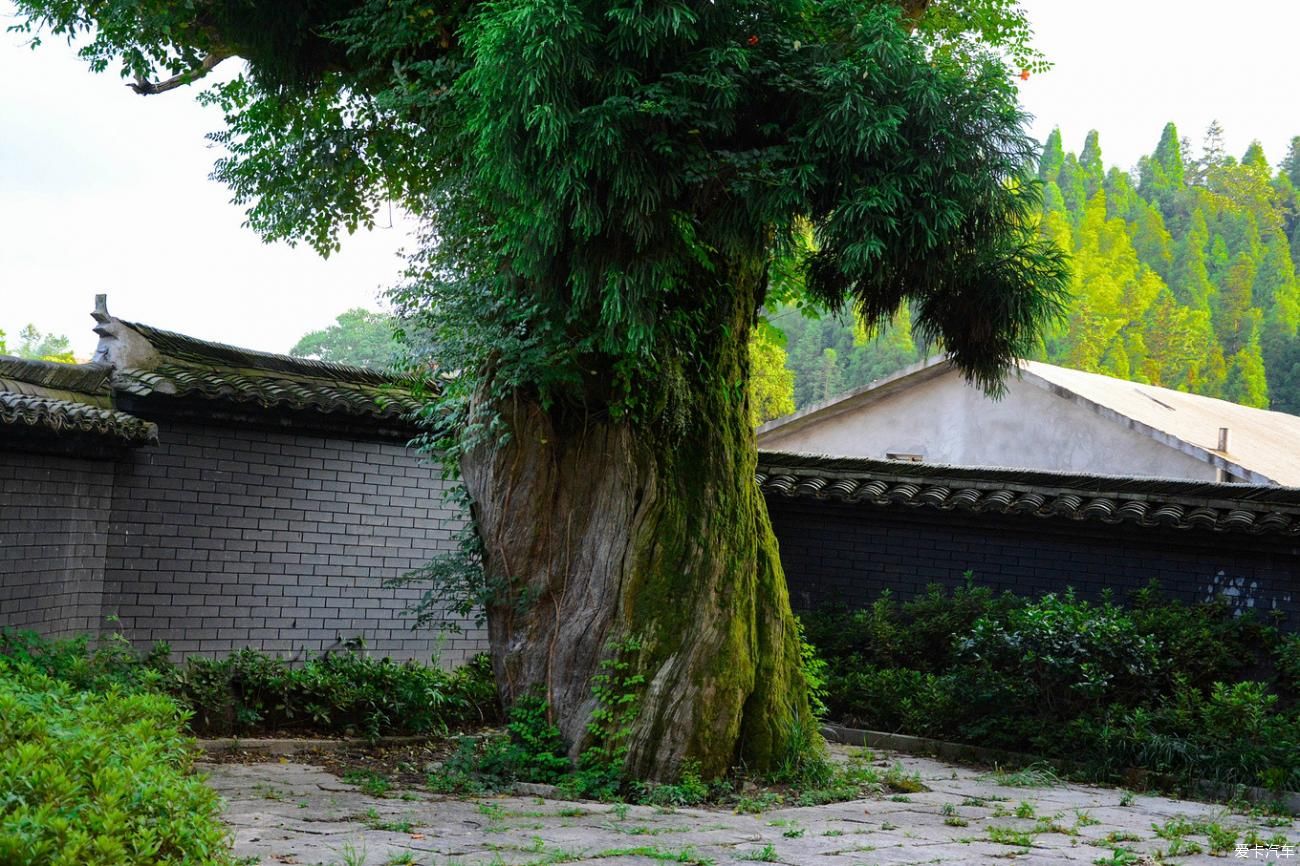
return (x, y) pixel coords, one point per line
(1122, 199)
(1152, 241)
(1052, 158)
(1213, 154)
(1290, 166)
(1234, 311)
(1247, 382)
(1094, 172)
(1191, 280)
(1073, 185)
(1161, 178)
(1168, 158)
(1053, 201)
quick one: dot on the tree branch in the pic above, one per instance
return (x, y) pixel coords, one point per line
(912, 12)
(145, 87)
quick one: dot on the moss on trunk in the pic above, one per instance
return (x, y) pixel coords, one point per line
(599, 531)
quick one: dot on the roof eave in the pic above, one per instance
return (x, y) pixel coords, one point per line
(1191, 449)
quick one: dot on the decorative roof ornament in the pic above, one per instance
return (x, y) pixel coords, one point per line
(121, 346)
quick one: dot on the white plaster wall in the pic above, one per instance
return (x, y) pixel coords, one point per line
(948, 421)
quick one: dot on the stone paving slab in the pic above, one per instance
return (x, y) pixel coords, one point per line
(295, 814)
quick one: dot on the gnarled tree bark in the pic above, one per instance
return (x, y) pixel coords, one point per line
(601, 531)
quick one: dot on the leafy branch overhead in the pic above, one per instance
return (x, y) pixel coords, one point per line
(592, 149)
(606, 190)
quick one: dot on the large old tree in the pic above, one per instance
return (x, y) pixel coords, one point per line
(610, 189)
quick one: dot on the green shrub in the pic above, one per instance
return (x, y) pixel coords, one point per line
(98, 778)
(344, 693)
(532, 749)
(248, 691)
(1197, 690)
(113, 663)
(1202, 643)
(1072, 654)
(1287, 660)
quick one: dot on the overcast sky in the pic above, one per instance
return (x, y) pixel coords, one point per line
(105, 191)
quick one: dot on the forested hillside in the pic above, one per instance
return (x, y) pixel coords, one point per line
(1184, 276)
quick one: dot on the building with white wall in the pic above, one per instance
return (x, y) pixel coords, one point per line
(1051, 419)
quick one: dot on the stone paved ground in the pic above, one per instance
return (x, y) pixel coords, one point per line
(293, 813)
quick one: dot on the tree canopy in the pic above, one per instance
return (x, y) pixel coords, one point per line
(360, 337)
(38, 346)
(606, 157)
(1184, 277)
(611, 192)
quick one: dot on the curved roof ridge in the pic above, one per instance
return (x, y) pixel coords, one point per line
(182, 347)
(90, 379)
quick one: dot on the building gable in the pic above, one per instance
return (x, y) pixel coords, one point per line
(930, 413)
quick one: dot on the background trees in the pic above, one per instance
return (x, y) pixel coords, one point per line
(37, 346)
(360, 337)
(1184, 277)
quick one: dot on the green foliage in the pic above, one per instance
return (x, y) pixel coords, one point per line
(771, 384)
(359, 337)
(1069, 653)
(247, 691)
(347, 693)
(689, 790)
(617, 689)
(1186, 281)
(597, 178)
(372, 783)
(814, 672)
(37, 346)
(1190, 690)
(533, 750)
(102, 778)
(606, 185)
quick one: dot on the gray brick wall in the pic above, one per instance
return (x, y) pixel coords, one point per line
(847, 554)
(229, 537)
(53, 536)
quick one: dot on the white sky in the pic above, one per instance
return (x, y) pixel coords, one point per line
(105, 191)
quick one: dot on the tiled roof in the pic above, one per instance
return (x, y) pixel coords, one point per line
(150, 361)
(1262, 444)
(38, 396)
(1143, 502)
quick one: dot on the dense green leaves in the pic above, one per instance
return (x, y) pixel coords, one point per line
(359, 337)
(1191, 689)
(1186, 280)
(249, 692)
(598, 177)
(99, 779)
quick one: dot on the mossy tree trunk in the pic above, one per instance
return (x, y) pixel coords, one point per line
(598, 530)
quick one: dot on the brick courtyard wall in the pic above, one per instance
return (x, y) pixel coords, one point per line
(53, 536)
(848, 554)
(225, 537)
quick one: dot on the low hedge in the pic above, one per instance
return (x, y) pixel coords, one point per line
(91, 778)
(1201, 691)
(344, 693)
